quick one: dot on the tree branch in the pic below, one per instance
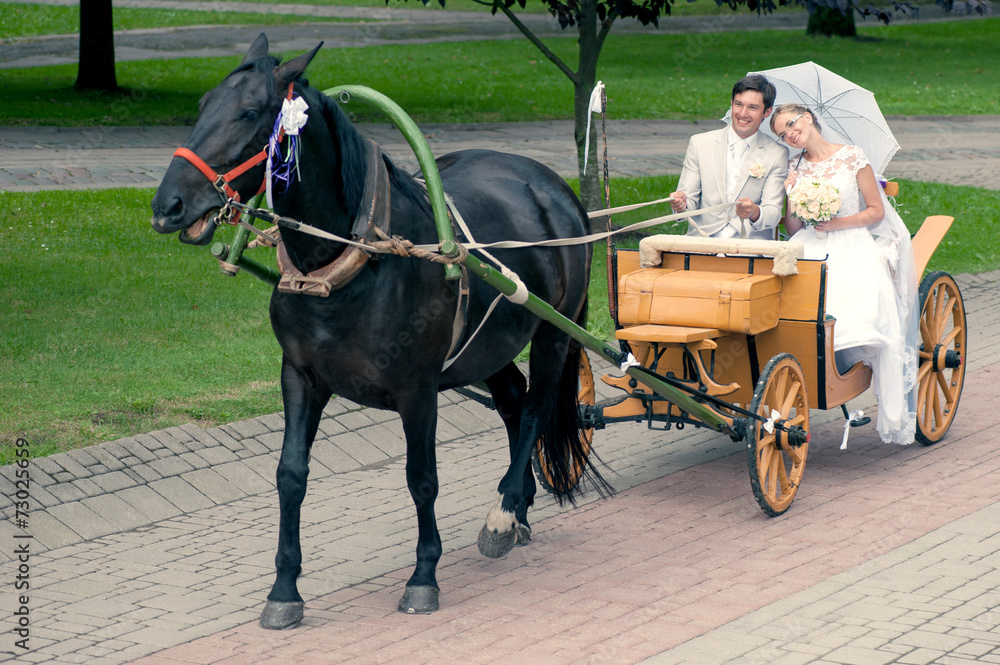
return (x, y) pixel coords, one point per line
(606, 28)
(537, 42)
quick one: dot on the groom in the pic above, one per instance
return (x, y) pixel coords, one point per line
(736, 163)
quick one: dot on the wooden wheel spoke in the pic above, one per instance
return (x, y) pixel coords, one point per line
(923, 371)
(925, 333)
(782, 474)
(930, 397)
(940, 296)
(950, 337)
(795, 454)
(789, 399)
(946, 389)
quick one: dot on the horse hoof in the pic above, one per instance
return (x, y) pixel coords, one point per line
(495, 544)
(281, 615)
(419, 600)
(522, 533)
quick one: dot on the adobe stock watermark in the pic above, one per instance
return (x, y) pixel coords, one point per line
(21, 498)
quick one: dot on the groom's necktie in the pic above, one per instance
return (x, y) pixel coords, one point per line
(737, 149)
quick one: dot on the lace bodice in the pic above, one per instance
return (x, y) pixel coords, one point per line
(841, 168)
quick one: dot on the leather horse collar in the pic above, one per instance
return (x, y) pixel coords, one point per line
(337, 274)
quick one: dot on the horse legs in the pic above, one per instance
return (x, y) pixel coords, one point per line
(419, 416)
(303, 409)
(548, 356)
(508, 387)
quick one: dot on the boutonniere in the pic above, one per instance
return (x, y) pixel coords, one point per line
(757, 170)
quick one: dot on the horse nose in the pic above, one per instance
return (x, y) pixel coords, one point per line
(165, 215)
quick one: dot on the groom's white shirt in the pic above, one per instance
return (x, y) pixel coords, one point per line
(704, 179)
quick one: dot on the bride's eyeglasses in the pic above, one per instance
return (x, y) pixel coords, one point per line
(789, 125)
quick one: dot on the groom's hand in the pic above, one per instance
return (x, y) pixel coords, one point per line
(747, 209)
(679, 202)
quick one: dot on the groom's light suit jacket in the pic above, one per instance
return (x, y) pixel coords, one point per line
(704, 181)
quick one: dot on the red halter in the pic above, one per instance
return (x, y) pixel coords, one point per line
(221, 182)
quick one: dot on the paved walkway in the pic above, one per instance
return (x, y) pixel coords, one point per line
(158, 549)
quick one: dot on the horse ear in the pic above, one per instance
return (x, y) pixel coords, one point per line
(257, 50)
(293, 69)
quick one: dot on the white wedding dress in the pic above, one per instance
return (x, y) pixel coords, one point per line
(871, 291)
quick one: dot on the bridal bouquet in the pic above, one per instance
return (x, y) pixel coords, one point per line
(814, 201)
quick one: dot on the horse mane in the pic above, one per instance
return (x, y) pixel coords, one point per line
(351, 145)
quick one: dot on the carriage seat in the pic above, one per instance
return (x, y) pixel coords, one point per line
(785, 254)
(699, 299)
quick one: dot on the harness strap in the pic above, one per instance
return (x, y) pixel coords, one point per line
(221, 182)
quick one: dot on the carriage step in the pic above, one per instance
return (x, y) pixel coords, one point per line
(857, 422)
(661, 334)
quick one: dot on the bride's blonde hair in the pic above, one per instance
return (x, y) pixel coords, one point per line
(793, 108)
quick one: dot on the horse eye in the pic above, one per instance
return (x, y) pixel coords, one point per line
(251, 115)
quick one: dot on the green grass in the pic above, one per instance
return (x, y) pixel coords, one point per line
(28, 20)
(923, 69)
(110, 329)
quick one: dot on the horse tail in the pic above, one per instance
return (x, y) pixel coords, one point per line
(565, 455)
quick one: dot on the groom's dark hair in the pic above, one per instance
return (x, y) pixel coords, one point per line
(756, 82)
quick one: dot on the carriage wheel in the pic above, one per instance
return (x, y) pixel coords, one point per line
(584, 397)
(941, 374)
(776, 459)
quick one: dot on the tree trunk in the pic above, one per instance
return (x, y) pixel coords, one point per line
(830, 21)
(97, 47)
(591, 193)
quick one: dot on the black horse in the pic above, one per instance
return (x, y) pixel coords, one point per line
(382, 337)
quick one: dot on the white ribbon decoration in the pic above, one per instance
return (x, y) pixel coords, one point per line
(293, 115)
(854, 416)
(291, 119)
(595, 107)
(769, 423)
(630, 362)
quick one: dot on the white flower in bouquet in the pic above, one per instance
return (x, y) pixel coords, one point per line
(814, 201)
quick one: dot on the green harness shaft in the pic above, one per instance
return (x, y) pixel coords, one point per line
(449, 247)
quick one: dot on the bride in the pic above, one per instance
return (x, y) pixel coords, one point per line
(871, 285)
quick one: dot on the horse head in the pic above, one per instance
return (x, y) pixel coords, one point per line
(234, 125)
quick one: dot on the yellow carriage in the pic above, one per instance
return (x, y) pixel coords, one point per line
(741, 326)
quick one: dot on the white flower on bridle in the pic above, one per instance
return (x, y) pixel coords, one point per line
(293, 115)
(290, 120)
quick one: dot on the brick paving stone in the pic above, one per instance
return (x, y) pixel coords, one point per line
(181, 494)
(213, 485)
(82, 520)
(47, 465)
(217, 455)
(245, 478)
(195, 459)
(137, 449)
(104, 456)
(222, 436)
(80, 456)
(61, 492)
(114, 481)
(116, 511)
(249, 428)
(363, 452)
(390, 443)
(171, 466)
